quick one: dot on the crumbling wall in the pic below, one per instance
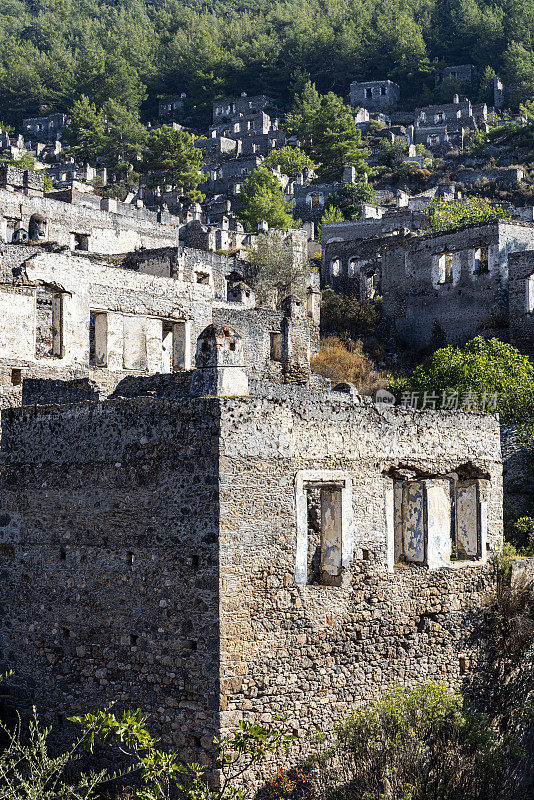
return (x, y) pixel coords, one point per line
(521, 288)
(417, 295)
(316, 651)
(106, 232)
(154, 556)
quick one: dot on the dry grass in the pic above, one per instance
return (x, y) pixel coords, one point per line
(340, 361)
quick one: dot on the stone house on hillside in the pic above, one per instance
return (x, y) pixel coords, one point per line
(215, 558)
(457, 280)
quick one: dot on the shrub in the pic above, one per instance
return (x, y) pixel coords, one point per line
(421, 745)
(511, 610)
(443, 215)
(346, 316)
(339, 362)
(479, 371)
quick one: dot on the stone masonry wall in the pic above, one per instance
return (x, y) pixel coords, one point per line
(149, 551)
(108, 232)
(472, 303)
(315, 652)
(109, 549)
(521, 268)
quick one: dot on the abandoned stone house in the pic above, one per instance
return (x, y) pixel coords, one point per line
(466, 74)
(210, 558)
(77, 220)
(71, 316)
(445, 126)
(45, 128)
(192, 522)
(457, 280)
(374, 95)
(230, 107)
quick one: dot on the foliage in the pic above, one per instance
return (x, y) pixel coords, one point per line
(327, 130)
(162, 773)
(511, 610)
(336, 142)
(25, 161)
(392, 153)
(300, 120)
(421, 745)
(444, 215)
(481, 368)
(348, 198)
(172, 159)
(347, 316)
(291, 160)
(263, 199)
(341, 362)
(520, 534)
(112, 134)
(330, 214)
(29, 772)
(279, 268)
(295, 784)
(54, 51)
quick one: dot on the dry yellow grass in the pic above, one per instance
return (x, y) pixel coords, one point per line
(340, 361)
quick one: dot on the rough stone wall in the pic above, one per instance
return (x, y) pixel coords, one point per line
(317, 651)
(469, 305)
(366, 229)
(111, 562)
(108, 232)
(150, 554)
(521, 292)
(518, 472)
(255, 326)
(135, 304)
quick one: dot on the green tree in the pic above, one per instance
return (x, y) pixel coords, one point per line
(263, 199)
(279, 268)
(480, 371)
(173, 160)
(164, 776)
(336, 141)
(291, 160)
(124, 137)
(85, 133)
(300, 120)
(331, 214)
(445, 215)
(519, 70)
(348, 198)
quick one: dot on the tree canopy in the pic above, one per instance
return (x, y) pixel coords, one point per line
(132, 51)
(172, 159)
(326, 127)
(291, 160)
(489, 373)
(262, 199)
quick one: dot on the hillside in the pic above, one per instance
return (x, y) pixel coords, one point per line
(52, 51)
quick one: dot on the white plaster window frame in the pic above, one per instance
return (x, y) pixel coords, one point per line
(316, 477)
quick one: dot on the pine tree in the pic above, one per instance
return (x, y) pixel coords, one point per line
(263, 199)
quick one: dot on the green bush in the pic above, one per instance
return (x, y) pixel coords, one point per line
(421, 745)
(481, 372)
(346, 316)
(444, 215)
